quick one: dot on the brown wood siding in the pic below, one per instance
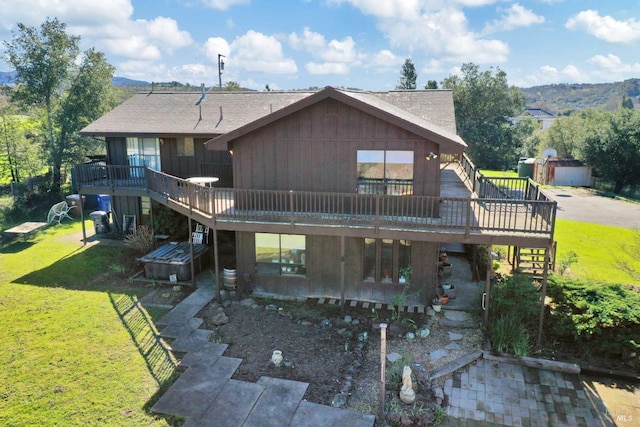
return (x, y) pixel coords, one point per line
(124, 205)
(188, 166)
(315, 150)
(323, 271)
(117, 151)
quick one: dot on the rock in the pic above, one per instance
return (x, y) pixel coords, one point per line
(287, 363)
(248, 302)
(438, 392)
(438, 354)
(348, 319)
(394, 417)
(341, 331)
(394, 357)
(363, 336)
(454, 336)
(423, 333)
(458, 316)
(271, 307)
(430, 312)
(422, 376)
(326, 323)
(405, 420)
(452, 346)
(339, 401)
(355, 322)
(306, 323)
(410, 336)
(166, 295)
(219, 318)
(177, 288)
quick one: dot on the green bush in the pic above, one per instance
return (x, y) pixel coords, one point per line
(513, 314)
(600, 319)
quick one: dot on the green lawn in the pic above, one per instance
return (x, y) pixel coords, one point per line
(600, 249)
(75, 350)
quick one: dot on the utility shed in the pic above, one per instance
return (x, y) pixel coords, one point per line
(562, 172)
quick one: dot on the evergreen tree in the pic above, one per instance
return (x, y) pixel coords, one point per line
(408, 76)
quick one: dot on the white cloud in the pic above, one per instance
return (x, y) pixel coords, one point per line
(165, 33)
(223, 4)
(437, 27)
(326, 68)
(132, 47)
(605, 27)
(613, 64)
(214, 46)
(514, 17)
(257, 52)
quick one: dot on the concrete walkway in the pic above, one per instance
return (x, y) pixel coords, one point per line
(206, 395)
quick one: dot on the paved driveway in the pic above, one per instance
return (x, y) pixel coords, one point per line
(581, 204)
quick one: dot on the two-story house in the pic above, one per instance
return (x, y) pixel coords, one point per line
(332, 193)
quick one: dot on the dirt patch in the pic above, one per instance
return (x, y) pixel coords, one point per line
(338, 352)
(165, 296)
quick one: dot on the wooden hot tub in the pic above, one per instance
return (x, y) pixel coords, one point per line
(174, 258)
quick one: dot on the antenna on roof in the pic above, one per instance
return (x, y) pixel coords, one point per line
(199, 103)
(204, 94)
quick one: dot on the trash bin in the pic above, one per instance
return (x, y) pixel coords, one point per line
(73, 201)
(104, 203)
(100, 222)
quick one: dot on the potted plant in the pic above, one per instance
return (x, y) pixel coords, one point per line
(436, 304)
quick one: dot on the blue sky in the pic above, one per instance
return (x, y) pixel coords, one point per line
(294, 44)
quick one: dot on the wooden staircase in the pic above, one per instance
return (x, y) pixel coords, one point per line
(531, 260)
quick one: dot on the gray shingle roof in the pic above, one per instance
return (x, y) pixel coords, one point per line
(161, 113)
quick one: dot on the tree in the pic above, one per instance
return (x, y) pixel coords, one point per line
(484, 103)
(431, 84)
(567, 134)
(45, 63)
(613, 148)
(232, 86)
(627, 102)
(408, 75)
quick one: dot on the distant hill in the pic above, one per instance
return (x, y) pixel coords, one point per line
(123, 81)
(565, 98)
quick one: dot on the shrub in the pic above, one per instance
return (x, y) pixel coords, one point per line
(141, 242)
(514, 312)
(600, 319)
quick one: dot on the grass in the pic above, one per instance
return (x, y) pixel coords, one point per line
(600, 248)
(75, 351)
(499, 174)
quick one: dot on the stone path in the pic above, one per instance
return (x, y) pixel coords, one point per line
(205, 394)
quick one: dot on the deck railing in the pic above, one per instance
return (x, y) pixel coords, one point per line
(530, 213)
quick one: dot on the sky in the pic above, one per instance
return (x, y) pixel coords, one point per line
(297, 44)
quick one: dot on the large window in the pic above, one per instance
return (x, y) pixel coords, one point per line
(385, 172)
(385, 258)
(281, 254)
(144, 152)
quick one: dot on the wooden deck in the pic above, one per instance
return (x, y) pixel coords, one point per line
(517, 213)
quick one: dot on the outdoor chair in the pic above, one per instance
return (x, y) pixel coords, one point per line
(196, 237)
(58, 212)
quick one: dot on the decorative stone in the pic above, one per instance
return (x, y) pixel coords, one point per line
(458, 316)
(454, 336)
(355, 322)
(363, 336)
(453, 346)
(166, 295)
(431, 312)
(306, 323)
(438, 392)
(248, 302)
(348, 319)
(410, 336)
(276, 358)
(271, 307)
(407, 395)
(394, 357)
(438, 354)
(326, 323)
(423, 333)
(177, 288)
(219, 318)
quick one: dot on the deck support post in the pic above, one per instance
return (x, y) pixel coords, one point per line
(342, 268)
(487, 286)
(543, 295)
(193, 267)
(216, 263)
(84, 229)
